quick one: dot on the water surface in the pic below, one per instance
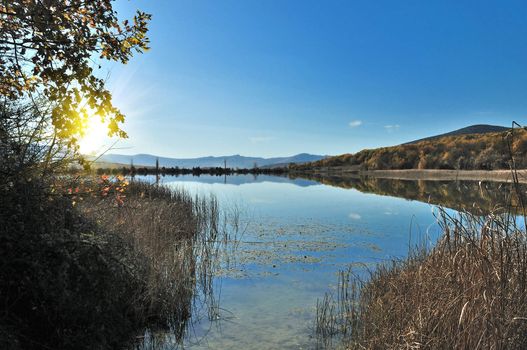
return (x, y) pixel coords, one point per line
(296, 234)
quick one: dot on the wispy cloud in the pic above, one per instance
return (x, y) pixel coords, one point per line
(392, 128)
(260, 139)
(355, 123)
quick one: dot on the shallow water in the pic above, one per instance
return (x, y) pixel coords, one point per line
(296, 235)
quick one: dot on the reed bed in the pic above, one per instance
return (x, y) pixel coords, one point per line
(468, 292)
(181, 239)
(97, 263)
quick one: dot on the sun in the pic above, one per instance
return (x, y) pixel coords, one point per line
(95, 137)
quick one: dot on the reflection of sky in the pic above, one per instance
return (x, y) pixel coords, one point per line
(304, 235)
(286, 201)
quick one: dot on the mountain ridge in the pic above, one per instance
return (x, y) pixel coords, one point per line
(233, 161)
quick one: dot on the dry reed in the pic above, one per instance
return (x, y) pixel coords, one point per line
(468, 292)
(180, 239)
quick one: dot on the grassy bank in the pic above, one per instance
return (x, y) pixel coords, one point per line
(468, 292)
(99, 265)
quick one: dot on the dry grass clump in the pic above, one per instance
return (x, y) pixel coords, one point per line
(468, 292)
(179, 237)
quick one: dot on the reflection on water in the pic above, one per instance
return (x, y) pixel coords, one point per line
(475, 197)
(297, 235)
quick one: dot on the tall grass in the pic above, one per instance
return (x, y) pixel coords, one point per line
(100, 274)
(468, 292)
(181, 238)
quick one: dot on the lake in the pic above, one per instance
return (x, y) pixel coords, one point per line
(296, 234)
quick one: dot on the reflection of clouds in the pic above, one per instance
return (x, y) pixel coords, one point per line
(354, 216)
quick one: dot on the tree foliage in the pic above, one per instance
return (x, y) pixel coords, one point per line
(49, 48)
(489, 151)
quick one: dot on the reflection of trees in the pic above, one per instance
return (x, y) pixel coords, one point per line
(471, 196)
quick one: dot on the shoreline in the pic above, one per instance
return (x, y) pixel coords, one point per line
(423, 174)
(340, 171)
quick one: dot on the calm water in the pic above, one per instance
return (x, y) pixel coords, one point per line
(297, 234)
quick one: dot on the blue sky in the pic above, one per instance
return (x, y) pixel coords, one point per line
(273, 78)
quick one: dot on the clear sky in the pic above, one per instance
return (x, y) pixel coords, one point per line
(275, 78)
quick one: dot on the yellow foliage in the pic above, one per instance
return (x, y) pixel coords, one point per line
(474, 151)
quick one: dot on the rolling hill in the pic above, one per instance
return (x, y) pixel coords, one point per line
(477, 147)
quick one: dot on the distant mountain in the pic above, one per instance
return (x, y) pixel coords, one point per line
(473, 129)
(234, 161)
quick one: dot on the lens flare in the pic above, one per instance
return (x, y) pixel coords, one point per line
(95, 137)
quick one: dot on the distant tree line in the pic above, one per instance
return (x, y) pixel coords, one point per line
(490, 151)
(195, 171)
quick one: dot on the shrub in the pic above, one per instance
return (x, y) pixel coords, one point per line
(65, 282)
